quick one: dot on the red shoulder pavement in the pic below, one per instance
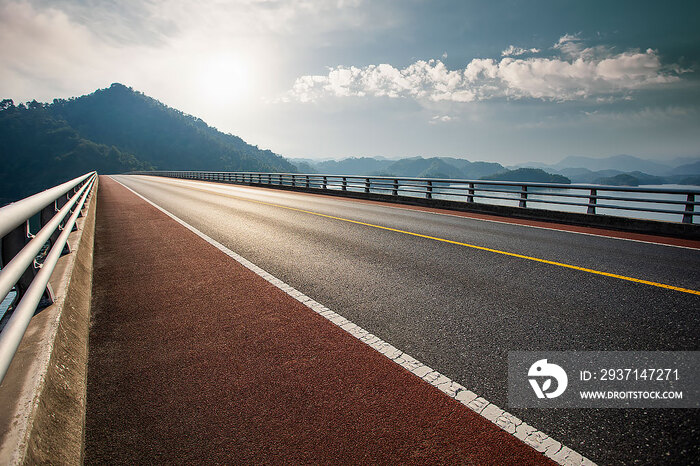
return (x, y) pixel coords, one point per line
(196, 359)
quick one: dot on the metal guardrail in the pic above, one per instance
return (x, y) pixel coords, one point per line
(592, 198)
(58, 210)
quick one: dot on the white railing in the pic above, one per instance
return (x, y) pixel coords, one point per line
(58, 209)
(678, 205)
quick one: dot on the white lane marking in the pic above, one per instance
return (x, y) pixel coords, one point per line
(540, 441)
(222, 189)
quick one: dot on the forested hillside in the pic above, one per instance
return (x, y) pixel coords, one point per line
(38, 151)
(112, 130)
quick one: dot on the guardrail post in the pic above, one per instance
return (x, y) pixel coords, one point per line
(366, 185)
(307, 180)
(61, 201)
(269, 178)
(11, 245)
(47, 213)
(592, 201)
(395, 188)
(523, 197)
(470, 193)
(325, 183)
(429, 190)
(345, 184)
(689, 209)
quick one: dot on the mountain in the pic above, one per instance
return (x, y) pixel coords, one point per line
(623, 163)
(38, 151)
(635, 178)
(534, 175)
(160, 135)
(474, 170)
(584, 175)
(418, 167)
(350, 166)
(687, 169)
(623, 179)
(683, 160)
(411, 167)
(112, 130)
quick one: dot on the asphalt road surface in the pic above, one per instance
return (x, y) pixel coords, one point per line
(460, 309)
(213, 364)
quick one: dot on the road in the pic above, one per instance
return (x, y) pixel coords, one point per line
(461, 309)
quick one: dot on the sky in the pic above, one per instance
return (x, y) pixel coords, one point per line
(505, 81)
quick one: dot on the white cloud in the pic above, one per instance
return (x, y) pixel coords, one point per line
(513, 51)
(647, 115)
(440, 119)
(62, 48)
(579, 73)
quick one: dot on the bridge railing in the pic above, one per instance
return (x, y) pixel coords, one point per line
(28, 260)
(679, 204)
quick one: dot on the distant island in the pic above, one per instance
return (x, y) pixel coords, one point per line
(534, 175)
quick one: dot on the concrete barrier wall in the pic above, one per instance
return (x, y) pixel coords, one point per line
(43, 393)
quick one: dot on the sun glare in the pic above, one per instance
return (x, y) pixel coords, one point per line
(223, 79)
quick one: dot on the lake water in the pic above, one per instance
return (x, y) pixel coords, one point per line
(636, 200)
(5, 304)
(512, 198)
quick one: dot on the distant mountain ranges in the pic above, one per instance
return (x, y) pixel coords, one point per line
(620, 170)
(626, 170)
(118, 129)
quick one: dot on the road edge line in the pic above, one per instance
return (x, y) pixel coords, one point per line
(527, 434)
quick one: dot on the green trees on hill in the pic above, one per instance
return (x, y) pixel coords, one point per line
(165, 137)
(38, 151)
(533, 175)
(112, 130)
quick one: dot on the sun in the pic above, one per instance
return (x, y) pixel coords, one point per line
(223, 79)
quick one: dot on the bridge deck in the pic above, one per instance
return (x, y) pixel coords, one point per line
(194, 358)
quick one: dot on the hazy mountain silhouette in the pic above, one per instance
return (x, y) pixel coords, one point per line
(533, 175)
(412, 167)
(687, 169)
(623, 163)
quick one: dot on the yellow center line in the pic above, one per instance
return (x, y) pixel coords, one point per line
(458, 243)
